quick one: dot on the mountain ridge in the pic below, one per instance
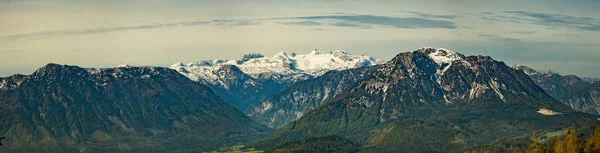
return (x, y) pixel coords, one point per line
(258, 77)
(62, 107)
(418, 102)
(575, 92)
(438, 66)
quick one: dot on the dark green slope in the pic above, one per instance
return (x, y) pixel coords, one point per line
(319, 144)
(407, 105)
(130, 109)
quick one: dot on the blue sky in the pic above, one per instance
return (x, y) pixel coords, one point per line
(544, 34)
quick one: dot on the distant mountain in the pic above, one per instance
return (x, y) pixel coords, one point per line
(579, 94)
(591, 80)
(62, 108)
(433, 100)
(245, 83)
(11, 82)
(305, 96)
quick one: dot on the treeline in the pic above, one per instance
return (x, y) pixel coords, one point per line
(572, 142)
(318, 144)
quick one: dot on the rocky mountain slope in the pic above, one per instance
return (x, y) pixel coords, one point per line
(591, 80)
(143, 109)
(579, 94)
(245, 83)
(302, 97)
(433, 100)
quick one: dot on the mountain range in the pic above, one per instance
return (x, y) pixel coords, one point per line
(246, 82)
(580, 94)
(305, 96)
(433, 100)
(61, 108)
(426, 100)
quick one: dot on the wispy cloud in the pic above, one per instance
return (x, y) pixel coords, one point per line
(396, 22)
(430, 16)
(489, 16)
(235, 22)
(345, 24)
(70, 32)
(303, 23)
(525, 32)
(492, 37)
(556, 20)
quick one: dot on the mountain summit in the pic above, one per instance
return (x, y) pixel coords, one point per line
(255, 77)
(579, 94)
(428, 75)
(428, 99)
(68, 108)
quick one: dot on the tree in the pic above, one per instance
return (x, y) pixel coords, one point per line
(559, 146)
(593, 143)
(535, 146)
(1, 140)
(515, 150)
(573, 141)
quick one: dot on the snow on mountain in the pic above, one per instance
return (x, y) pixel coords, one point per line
(527, 70)
(246, 82)
(315, 63)
(444, 59)
(443, 56)
(531, 71)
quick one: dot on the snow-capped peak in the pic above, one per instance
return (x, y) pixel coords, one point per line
(530, 71)
(177, 64)
(443, 56)
(281, 55)
(527, 70)
(314, 63)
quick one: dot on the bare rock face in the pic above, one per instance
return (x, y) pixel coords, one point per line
(291, 104)
(595, 93)
(569, 89)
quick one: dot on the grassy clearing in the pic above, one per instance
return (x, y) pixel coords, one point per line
(550, 135)
(237, 149)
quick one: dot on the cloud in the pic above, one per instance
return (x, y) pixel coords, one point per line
(233, 23)
(557, 20)
(71, 32)
(244, 23)
(566, 35)
(345, 24)
(489, 16)
(396, 22)
(492, 37)
(427, 15)
(304, 23)
(525, 32)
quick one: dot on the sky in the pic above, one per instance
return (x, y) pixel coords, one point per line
(543, 34)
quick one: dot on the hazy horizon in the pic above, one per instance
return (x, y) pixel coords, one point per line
(556, 35)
